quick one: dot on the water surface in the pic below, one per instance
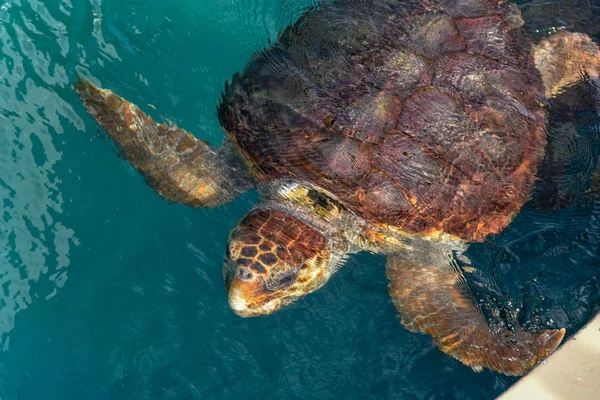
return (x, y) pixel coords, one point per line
(109, 292)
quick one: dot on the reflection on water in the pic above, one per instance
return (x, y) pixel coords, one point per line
(35, 244)
(144, 313)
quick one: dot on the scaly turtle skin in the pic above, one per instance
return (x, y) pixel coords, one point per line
(404, 128)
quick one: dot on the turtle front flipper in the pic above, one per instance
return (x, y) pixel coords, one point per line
(432, 297)
(569, 64)
(181, 168)
(566, 60)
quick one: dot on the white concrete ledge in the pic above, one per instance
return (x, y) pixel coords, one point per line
(572, 372)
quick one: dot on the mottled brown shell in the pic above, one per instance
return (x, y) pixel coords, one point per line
(427, 116)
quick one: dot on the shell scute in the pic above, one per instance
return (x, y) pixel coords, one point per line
(379, 196)
(490, 37)
(340, 157)
(428, 177)
(406, 73)
(432, 35)
(463, 74)
(467, 8)
(438, 121)
(425, 115)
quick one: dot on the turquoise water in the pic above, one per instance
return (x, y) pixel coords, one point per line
(109, 292)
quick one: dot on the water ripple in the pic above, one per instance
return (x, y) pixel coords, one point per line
(138, 308)
(34, 245)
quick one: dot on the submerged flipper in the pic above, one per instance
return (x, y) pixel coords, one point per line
(432, 297)
(178, 166)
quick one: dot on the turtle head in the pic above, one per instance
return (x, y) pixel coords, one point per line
(273, 258)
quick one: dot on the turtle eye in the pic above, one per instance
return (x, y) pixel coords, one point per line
(244, 274)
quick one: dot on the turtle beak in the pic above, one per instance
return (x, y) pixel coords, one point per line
(239, 292)
(247, 297)
(237, 302)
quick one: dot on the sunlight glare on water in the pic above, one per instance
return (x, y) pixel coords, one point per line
(109, 292)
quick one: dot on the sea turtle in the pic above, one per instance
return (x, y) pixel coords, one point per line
(406, 128)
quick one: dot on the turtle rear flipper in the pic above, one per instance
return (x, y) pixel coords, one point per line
(432, 297)
(181, 168)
